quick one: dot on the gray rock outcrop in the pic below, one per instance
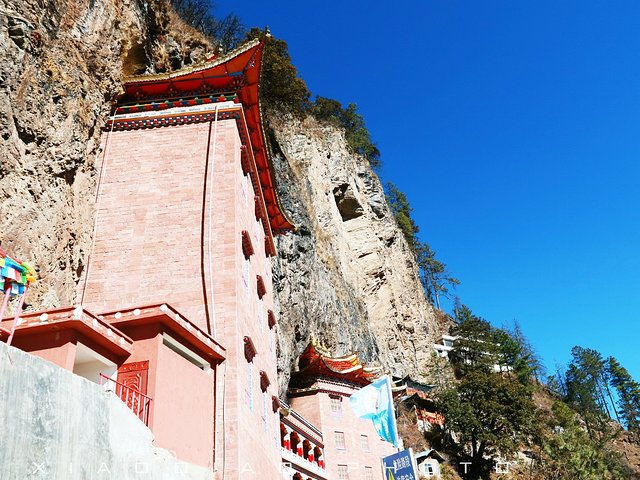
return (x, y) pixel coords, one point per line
(346, 277)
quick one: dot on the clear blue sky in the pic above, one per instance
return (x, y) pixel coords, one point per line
(514, 129)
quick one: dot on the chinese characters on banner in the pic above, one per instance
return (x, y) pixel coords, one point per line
(400, 466)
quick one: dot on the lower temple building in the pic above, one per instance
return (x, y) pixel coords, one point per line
(175, 307)
(320, 391)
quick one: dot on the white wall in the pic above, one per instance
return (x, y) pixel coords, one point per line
(58, 426)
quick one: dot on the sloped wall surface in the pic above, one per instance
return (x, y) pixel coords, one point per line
(59, 426)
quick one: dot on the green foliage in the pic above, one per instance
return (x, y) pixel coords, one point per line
(516, 352)
(628, 394)
(356, 133)
(435, 278)
(491, 413)
(399, 205)
(227, 32)
(570, 453)
(281, 87)
(475, 348)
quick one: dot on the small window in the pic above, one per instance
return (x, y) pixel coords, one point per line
(272, 318)
(336, 406)
(249, 349)
(368, 473)
(339, 439)
(264, 380)
(264, 410)
(245, 275)
(364, 441)
(261, 320)
(248, 388)
(247, 245)
(245, 189)
(343, 472)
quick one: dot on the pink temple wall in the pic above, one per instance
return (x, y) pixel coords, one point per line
(55, 347)
(245, 448)
(317, 409)
(189, 394)
(149, 214)
(149, 249)
(178, 389)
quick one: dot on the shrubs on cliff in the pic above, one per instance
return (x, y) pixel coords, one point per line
(435, 278)
(227, 32)
(356, 133)
(569, 452)
(281, 88)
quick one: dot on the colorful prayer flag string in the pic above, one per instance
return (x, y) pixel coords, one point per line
(15, 278)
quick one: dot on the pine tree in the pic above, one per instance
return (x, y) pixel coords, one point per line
(399, 205)
(490, 412)
(516, 354)
(435, 278)
(585, 379)
(628, 394)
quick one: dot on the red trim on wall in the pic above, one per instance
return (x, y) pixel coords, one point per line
(262, 289)
(271, 317)
(249, 349)
(247, 245)
(264, 380)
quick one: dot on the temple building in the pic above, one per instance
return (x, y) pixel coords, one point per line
(416, 397)
(175, 309)
(320, 391)
(186, 214)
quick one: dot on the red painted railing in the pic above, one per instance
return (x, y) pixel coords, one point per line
(138, 402)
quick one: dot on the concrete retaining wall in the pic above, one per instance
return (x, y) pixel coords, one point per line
(56, 425)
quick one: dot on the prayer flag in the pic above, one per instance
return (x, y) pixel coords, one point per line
(375, 402)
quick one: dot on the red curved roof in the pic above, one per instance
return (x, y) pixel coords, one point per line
(315, 362)
(233, 76)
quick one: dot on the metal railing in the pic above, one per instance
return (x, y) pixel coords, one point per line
(138, 402)
(295, 459)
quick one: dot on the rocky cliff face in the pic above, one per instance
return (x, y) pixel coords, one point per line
(346, 276)
(61, 62)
